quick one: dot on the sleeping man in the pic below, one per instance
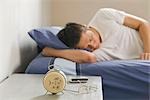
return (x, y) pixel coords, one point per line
(110, 35)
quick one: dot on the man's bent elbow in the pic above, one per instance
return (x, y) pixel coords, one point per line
(91, 58)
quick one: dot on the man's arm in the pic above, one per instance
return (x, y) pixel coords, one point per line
(79, 56)
(144, 29)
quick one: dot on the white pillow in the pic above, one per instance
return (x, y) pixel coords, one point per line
(67, 66)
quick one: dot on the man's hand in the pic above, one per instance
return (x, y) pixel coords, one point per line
(144, 30)
(145, 56)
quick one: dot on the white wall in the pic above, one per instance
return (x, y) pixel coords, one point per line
(16, 18)
(81, 11)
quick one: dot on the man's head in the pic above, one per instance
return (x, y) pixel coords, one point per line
(71, 33)
(79, 36)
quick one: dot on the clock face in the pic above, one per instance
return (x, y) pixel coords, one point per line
(54, 82)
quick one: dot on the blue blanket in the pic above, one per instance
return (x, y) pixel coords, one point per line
(122, 80)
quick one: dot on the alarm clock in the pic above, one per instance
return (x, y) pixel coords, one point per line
(55, 80)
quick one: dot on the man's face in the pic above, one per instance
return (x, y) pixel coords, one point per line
(89, 40)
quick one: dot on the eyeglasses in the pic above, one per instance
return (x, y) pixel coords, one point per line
(86, 89)
(83, 88)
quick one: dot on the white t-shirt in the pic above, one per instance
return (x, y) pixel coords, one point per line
(118, 41)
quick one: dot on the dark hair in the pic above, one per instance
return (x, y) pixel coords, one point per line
(71, 33)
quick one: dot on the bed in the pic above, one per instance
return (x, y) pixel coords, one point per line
(122, 79)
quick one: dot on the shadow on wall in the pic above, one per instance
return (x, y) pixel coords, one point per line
(25, 50)
(28, 48)
(27, 54)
